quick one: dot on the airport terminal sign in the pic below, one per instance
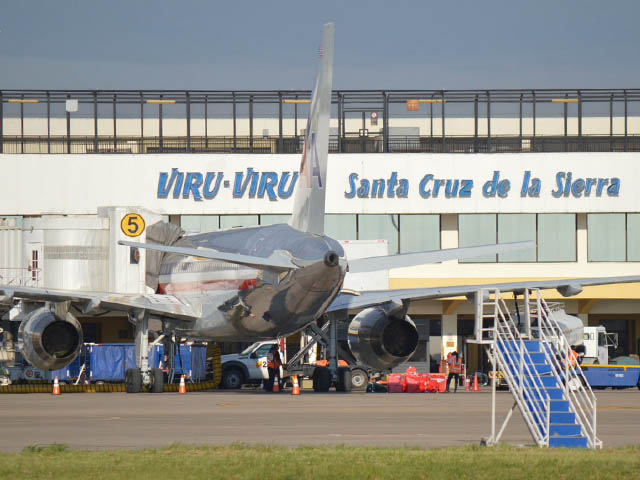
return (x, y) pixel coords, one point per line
(356, 183)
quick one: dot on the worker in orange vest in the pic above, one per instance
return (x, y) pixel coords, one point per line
(273, 366)
(573, 358)
(454, 363)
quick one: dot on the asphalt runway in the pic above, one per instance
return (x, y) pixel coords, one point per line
(118, 420)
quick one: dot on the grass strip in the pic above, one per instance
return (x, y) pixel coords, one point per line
(239, 461)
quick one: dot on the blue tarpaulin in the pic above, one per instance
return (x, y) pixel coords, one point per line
(108, 362)
(190, 360)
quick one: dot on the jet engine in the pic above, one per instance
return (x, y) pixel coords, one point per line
(382, 336)
(48, 341)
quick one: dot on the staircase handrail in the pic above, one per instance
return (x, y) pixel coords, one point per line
(584, 400)
(536, 419)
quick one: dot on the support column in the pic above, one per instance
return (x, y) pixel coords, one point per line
(581, 240)
(449, 334)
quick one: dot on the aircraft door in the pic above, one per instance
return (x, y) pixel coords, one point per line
(34, 261)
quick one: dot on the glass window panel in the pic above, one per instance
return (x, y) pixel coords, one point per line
(557, 237)
(606, 237)
(419, 233)
(273, 219)
(199, 223)
(340, 227)
(233, 221)
(477, 229)
(633, 237)
(378, 227)
(516, 227)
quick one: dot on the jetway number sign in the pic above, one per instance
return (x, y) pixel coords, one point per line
(132, 225)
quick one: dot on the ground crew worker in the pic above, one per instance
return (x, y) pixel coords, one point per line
(573, 358)
(273, 366)
(455, 368)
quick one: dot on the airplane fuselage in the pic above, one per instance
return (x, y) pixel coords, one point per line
(240, 302)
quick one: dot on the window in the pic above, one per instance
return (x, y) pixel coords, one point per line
(557, 237)
(517, 227)
(477, 229)
(274, 219)
(633, 237)
(200, 223)
(340, 227)
(233, 221)
(378, 227)
(606, 237)
(419, 233)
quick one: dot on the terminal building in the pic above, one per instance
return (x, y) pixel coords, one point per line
(422, 170)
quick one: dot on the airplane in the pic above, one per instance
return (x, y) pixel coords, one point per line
(257, 283)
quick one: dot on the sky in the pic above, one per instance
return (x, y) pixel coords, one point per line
(217, 45)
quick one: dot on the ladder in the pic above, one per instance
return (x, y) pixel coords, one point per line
(529, 348)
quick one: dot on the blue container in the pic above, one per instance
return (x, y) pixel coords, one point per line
(190, 360)
(108, 362)
(623, 376)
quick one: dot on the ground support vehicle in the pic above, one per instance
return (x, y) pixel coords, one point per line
(346, 374)
(598, 369)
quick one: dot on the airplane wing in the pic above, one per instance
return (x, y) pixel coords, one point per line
(274, 262)
(91, 302)
(371, 264)
(566, 287)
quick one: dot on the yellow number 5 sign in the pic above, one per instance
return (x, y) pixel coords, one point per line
(132, 225)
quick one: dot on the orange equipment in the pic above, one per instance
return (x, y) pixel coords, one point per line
(182, 388)
(467, 381)
(296, 386)
(56, 386)
(476, 388)
(276, 384)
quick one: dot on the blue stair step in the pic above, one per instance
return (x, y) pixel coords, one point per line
(532, 346)
(567, 442)
(562, 417)
(556, 406)
(564, 429)
(514, 358)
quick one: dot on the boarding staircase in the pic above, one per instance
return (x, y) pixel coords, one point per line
(530, 350)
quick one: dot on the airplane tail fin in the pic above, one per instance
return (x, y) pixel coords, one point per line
(309, 198)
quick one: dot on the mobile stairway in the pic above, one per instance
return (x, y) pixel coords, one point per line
(531, 351)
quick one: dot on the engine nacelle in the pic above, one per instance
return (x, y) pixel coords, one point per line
(48, 341)
(382, 338)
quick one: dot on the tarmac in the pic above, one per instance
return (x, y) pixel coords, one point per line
(119, 420)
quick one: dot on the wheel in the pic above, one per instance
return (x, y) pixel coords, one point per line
(157, 379)
(232, 378)
(359, 380)
(133, 380)
(321, 379)
(344, 380)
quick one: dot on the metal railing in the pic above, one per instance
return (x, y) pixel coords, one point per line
(433, 109)
(371, 144)
(526, 387)
(577, 390)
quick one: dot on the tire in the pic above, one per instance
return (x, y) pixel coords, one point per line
(344, 380)
(157, 379)
(321, 380)
(133, 380)
(359, 380)
(232, 379)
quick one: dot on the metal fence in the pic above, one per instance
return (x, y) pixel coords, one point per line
(428, 107)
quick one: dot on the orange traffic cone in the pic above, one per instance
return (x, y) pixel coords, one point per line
(276, 384)
(476, 388)
(467, 382)
(182, 388)
(56, 386)
(296, 386)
